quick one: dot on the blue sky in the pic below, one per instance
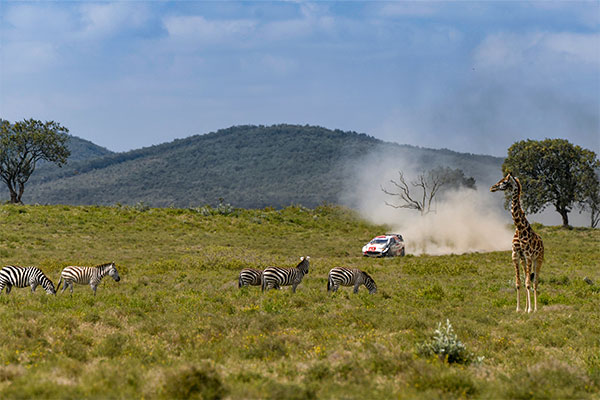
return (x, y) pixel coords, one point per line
(468, 76)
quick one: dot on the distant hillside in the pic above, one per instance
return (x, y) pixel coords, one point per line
(82, 149)
(248, 166)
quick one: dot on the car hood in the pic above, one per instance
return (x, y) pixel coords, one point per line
(374, 247)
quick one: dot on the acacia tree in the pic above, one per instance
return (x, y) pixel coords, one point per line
(427, 186)
(22, 145)
(591, 202)
(553, 172)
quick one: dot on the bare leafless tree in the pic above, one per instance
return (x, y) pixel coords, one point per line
(428, 184)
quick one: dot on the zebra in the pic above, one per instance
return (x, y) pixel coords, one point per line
(250, 277)
(87, 275)
(21, 277)
(275, 277)
(349, 277)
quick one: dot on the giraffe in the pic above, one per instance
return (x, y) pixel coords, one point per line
(527, 246)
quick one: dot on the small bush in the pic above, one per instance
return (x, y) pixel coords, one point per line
(318, 372)
(549, 379)
(195, 383)
(290, 391)
(112, 345)
(435, 292)
(221, 209)
(141, 206)
(447, 347)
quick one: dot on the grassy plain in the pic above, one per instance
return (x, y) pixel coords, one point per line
(177, 326)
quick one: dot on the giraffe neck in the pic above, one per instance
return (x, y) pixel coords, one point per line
(518, 214)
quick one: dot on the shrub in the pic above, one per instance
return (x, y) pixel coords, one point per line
(221, 209)
(141, 206)
(447, 347)
(195, 383)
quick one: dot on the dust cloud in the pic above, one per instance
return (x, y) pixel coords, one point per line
(461, 221)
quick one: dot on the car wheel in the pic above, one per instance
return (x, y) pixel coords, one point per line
(402, 252)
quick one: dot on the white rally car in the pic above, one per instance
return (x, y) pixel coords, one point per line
(388, 245)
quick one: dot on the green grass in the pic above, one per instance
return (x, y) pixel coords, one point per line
(177, 326)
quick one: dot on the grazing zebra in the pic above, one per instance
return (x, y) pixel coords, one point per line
(350, 277)
(87, 275)
(275, 277)
(24, 276)
(250, 277)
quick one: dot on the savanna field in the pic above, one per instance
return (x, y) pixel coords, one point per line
(177, 326)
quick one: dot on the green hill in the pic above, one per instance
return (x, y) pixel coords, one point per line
(248, 166)
(82, 149)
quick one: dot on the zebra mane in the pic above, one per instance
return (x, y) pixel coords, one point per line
(104, 265)
(303, 260)
(367, 275)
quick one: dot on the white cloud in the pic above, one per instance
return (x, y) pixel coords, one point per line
(507, 50)
(25, 22)
(101, 20)
(200, 29)
(408, 9)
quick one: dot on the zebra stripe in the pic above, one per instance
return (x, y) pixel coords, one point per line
(275, 277)
(24, 276)
(87, 276)
(250, 277)
(340, 276)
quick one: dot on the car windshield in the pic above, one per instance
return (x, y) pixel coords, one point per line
(379, 241)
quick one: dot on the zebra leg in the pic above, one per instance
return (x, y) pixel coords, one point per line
(294, 287)
(8, 288)
(33, 287)
(356, 288)
(94, 289)
(70, 287)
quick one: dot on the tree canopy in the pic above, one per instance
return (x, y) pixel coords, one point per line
(23, 144)
(553, 172)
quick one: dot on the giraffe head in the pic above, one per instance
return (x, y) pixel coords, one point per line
(506, 183)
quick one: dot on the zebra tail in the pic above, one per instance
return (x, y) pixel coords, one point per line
(328, 284)
(59, 283)
(240, 282)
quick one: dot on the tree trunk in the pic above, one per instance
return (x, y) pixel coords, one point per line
(565, 217)
(13, 194)
(20, 194)
(13, 197)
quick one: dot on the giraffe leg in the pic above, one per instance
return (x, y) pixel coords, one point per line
(529, 264)
(537, 265)
(515, 259)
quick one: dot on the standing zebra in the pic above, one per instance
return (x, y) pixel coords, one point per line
(275, 277)
(24, 276)
(250, 277)
(349, 277)
(87, 275)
